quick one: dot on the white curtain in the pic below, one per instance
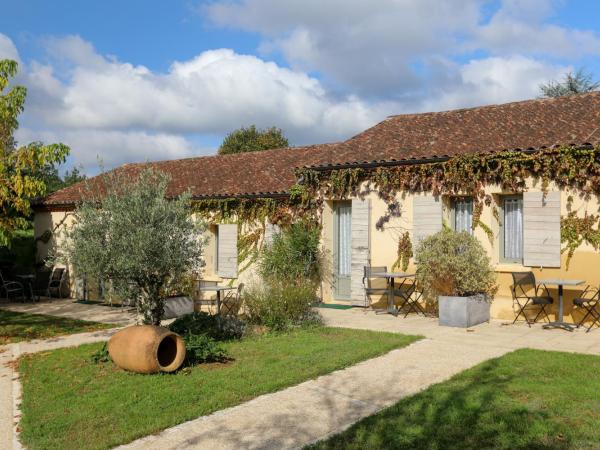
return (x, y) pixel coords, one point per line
(463, 215)
(513, 228)
(344, 240)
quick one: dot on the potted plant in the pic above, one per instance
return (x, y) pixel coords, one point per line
(455, 268)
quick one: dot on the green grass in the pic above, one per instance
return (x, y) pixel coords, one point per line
(71, 403)
(527, 399)
(16, 326)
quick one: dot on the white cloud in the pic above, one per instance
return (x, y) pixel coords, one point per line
(493, 80)
(378, 49)
(8, 49)
(109, 148)
(367, 47)
(215, 92)
(518, 26)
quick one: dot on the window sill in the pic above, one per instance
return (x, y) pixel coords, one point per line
(510, 267)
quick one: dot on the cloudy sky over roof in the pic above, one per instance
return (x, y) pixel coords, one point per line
(151, 80)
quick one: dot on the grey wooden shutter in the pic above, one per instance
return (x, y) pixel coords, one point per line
(227, 251)
(427, 216)
(541, 229)
(361, 251)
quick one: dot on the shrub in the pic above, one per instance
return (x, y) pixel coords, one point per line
(281, 305)
(293, 256)
(198, 323)
(201, 348)
(454, 264)
(101, 355)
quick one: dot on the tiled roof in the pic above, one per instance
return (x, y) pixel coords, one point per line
(531, 124)
(265, 174)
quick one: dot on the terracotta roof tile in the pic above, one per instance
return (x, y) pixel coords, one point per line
(531, 124)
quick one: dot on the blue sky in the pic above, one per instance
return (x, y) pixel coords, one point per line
(138, 80)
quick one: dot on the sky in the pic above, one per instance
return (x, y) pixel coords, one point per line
(137, 80)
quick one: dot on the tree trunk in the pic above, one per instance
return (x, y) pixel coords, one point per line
(151, 306)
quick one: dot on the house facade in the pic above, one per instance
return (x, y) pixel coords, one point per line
(521, 177)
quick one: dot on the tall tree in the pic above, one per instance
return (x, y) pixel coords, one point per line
(135, 237)
(252, 139)
(20, 167)
(579, 82)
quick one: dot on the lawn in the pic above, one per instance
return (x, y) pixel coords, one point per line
(71, 403)
(16, 326)
(527, 399)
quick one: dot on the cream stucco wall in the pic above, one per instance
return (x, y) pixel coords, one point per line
(584, 265)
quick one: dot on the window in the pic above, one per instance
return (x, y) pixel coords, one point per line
(511, 235)
(463, 214)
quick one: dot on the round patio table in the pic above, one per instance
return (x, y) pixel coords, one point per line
(391, 276)
(218, 290)
(560, 323)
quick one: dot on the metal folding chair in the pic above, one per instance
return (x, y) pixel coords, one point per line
(591, 304)
(232, 302)
(526, 292)
(11, 287)
(410, 294)
(200, 300)
(57, 280)
(366, 281)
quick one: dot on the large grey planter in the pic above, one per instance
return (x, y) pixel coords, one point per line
(463, 312)
(177, 307)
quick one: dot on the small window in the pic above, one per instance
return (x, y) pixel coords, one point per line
(511, 230)
(463, 214)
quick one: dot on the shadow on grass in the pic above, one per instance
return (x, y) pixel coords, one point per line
(473, 410)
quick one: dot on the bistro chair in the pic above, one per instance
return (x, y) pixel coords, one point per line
(590, 301)
(410, 296)
(11, 288)
(57, 281)
(366, 281)
(232, 302)
(203, 298)
(526, 293)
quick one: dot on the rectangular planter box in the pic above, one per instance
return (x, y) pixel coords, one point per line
(177, 307)
(463, 312)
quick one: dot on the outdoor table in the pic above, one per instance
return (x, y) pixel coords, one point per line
(218, 290)
(391, 276)
(560, 323)
(27, 280)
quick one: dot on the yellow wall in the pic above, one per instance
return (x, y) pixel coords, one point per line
(584, 265)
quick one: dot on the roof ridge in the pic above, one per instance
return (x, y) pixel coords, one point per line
(563, 98)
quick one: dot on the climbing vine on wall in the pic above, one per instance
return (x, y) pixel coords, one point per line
(568, 167)
(251, 215)
(405, 252)
(576, 231)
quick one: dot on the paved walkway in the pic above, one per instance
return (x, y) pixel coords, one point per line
(67, 307)
(316, 409)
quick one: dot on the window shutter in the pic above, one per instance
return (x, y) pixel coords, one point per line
(360, 232)
(427, 216)
(227, 250)
(541, 229)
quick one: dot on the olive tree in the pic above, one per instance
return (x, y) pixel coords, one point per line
(136, 237)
